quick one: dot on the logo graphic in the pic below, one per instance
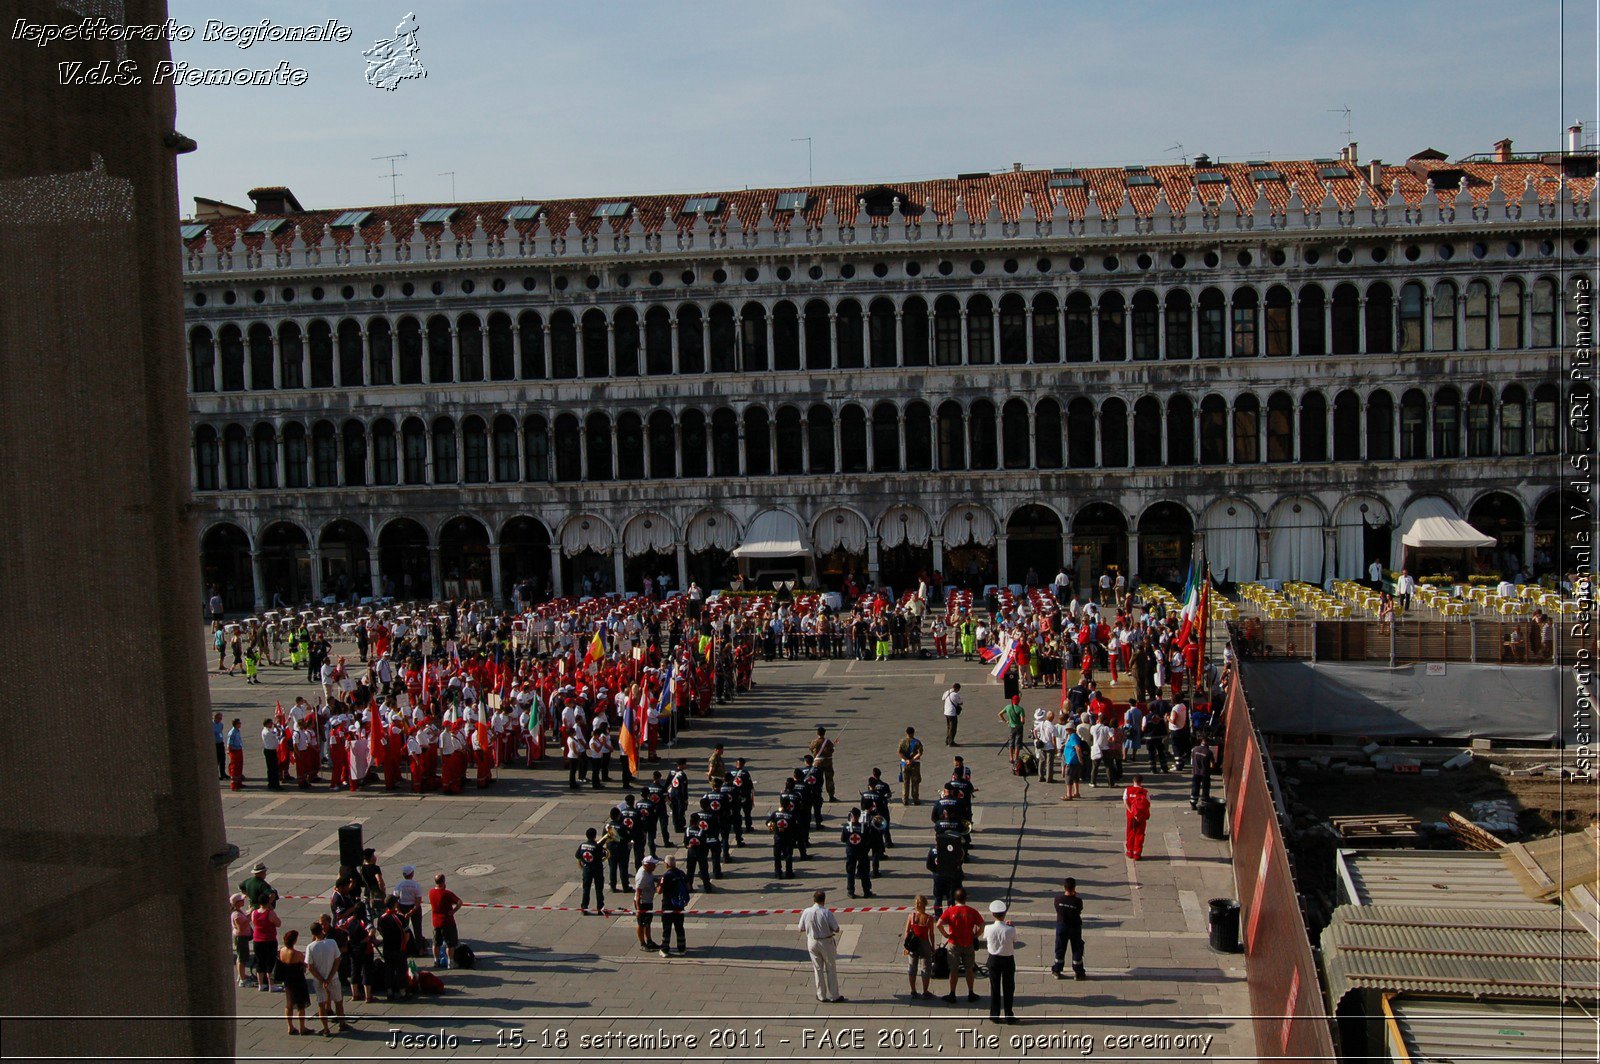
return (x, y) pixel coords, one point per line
(395, 60)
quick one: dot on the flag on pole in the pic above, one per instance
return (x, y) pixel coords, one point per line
(1191, 606)
(630, 746)
(596, 651)
(1008, 653)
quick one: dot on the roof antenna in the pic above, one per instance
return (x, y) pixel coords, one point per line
(1349, 133)
(810, 180)
(393, 175)
(451, 174)
(1178, 147)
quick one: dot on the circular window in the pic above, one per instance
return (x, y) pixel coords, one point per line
(977, 266)
(1277, 257)
(1380, 254)
(347, 292)
(316, 293)
(815, 273)
(1413, 253)
(591, 282)
(1245, 258)
(1479, 250)
(528, 284)
(199, 299)
(1344, 256)
(1043, 265)
(752, 275)
(407, 289)
(287, 295)
(469, 286)
(913, 269)
(1075, 264)
(498, 284)
(1179, 261)
(1514, 250)
(1313, 256)
(1447, 251)
(1580, 246)
(1212, 259)
(946, 268)
(1144, 261)
(656, 278)
(880, 269)
(847, 271)
(1110, 263)
(687, 277)
(1547, 248)
(229, 298)
(437, 288)
(561, 284)
(258, 296)
(719, 276)
(784, 273)
(1010, 266)
(624, 280)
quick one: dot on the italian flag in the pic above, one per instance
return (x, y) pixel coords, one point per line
(1194, 608)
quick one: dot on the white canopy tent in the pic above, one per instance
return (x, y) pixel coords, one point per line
(773, 534)
(1431, 523)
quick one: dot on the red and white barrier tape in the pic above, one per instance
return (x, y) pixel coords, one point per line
(627, 912)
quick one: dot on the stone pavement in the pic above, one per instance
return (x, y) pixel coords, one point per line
(556, 984)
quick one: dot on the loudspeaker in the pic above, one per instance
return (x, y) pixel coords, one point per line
(349, 846)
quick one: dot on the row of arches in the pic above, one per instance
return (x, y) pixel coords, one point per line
(1294, 537)
(1443, 422)
(1014, 329)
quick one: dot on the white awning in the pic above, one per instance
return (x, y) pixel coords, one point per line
(1432, 523)
(585, 532)
(773, 534)
(841, 529)
(647, 532)
(967, 523)
(904, 524)
(712, 528)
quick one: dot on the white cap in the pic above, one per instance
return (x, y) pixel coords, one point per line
(408, 870)
(997, 907)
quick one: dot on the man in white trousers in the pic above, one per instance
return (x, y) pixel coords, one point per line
(821, 928)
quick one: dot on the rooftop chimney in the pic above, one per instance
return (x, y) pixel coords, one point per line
(1375, 172)
(275, 199)
(1016, 168)
(1502, 150)
(1202, 160)
(1575, 137)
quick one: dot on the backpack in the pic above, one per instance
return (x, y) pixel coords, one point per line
(429, 984)
(1139, 807)
(941, 963)
(465, 958)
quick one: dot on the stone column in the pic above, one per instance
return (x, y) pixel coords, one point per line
(872, 559)
(1361, 325)
(1002, 576)
(772, 351)
(1427, 320)
(1294, 325)
(682, 551)
(494, 575)
(1033, 443)
(616, 568)
(516, 350)
(739, 436)
(461, 453)
(937, 542)
(1493, 327)
(1164, 442)
(1161, 331)
(1099, 456)
(772, 446)
(833, 340)
(258, 580)
(1127, 331)
(1327, 323)
(872, 458)
(616, 459)
(1330, 554)
(611, 348)
(1094, 333)
(455, 352)
(1133, 553)
(899, 337)
(805, 445)
(277, 362)
(557, 585)
(316, 572)
(1527, 547)
(966, 346)
(1263, 554)
(901, 465)
(1194, 328)
(1294, 430)
(375, 571)
(1027, 333)
(994, 334)
(435, 571)
(672, 329)
(583, 452)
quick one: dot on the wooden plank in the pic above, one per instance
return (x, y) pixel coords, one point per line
(1471, 835)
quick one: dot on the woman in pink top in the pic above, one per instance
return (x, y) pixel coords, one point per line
(239, 923)
(264, 924)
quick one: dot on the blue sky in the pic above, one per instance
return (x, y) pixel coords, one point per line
(535, 99)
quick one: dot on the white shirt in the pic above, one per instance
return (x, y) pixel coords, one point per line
(322, 959)
(1000, 939)
(1374, 572)
(953, 703)
(1406, 584)
(410, 892)
(270, 737)
(818, 923)
(1045, 732)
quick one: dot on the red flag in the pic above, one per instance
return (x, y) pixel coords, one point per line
(630, 749)
(377, 737)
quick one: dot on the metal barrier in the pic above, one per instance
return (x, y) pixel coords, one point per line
(1286, 996)
(1484, 642)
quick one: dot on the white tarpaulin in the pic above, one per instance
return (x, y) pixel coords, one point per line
(646, 533)
(712, 528)
(585, 532)
(1352, 536)
(1296, 542)
(773, 534)
(1432, 523)
(968, 524)
(841, 529)
(904, 524)
(1231, 544)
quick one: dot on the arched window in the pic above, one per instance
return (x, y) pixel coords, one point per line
(1380, 319)
(385, 453)
(691, 340)
(596, 359)
(1279, 312)
(982, 445)
(663, 446)
(1542, 314)
(1146, 326)
(1413, 425)
(852, 440)
(202, 361)
(1447, 423)
(1411, 318)
(441, 359)
(1114, 434)
(414, 451)
(597, 440)
(1313, 428)
(1213, 430)
(819, 426)
(502, 348)
(785, 337)
(1046, 328)
(1346, 320)
(1475, 317)
(1444, 316)
(296, 456)
(625, 340)
(1047, 434)
(1180, 319)
(232, 344)
(847, 335)
(531, 326)
(469, 339)
(1014, 435)
(952, 436)
(1346, 427)
(507, 462)
(1180, 431)
(324, 455)
(206, 457)
(351, 358)
(753, 338)
(444, 451)
(692, 427)
(1313, 323)
(724, 340)
(563, 346)
(1510, 331)
(919, 437)
(1544, 419)
(885, 438)
(410, 351)
(568, 452)
(1280, 427)
(1113, 328)
(1080, 328)
(818, 336)
(630, 447)
(880, 333)
(1513, 420)
(1213, 324)
(1081, 430)
(1380, 427)
(757, 442)
(980, 331)
(658, 342)
(1246, 325)
(1480, 422)
(355, 454)
(261, 357)
(266, 456)
(1013, 330)
(1147, 432)
(947, 331)
(791, 457)
(914, 331)
(535, 449)
(236, 458)
(1246, 430)
(380, 351)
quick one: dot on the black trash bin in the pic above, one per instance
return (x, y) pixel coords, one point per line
(1224, 925)
(1212, 820)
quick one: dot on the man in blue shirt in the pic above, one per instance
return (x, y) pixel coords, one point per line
(222, 746)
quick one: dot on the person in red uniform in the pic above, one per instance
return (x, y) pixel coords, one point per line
(483, 752)
(339, 756)
(453, 758)
(1136, 801)
(394, 752)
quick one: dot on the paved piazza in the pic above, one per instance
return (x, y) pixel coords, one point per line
(561, 979)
